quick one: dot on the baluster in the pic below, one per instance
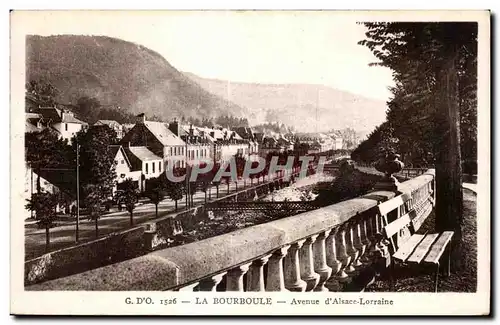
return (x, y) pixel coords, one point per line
(293, 282)
(357, 240)
(255, 276)
(331, 260)
(210, 284)
(234, 279)
(342, 255)
(368, 239)
(275, 280)
(306, 264)
(320, 265)
(361, 244)
(350, 249)
(189, 288)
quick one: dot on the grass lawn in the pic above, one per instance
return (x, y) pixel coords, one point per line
(411, 279)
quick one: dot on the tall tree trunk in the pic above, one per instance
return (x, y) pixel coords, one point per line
(217, 191)
(156, 210)
(227, 187)
(449, 198)
(205, 197)
(175, 205)
(47, 238)
(236, 183)
(131, 218)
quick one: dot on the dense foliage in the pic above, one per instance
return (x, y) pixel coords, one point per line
(417, 54)
(97, 164)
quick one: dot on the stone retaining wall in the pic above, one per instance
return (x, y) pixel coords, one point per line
(103, 251)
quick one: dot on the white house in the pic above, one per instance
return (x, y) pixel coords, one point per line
(61, 120)
(114, 125)
(144, 165)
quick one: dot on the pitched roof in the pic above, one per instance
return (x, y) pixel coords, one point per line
(142, 153)
(50, 113)
(110, 123)
(56, 115)
(163, 134)
(114, 151)
(71, 119)
(30, 127)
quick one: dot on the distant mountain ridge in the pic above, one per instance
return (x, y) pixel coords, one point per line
(121, 74)
(303, 106)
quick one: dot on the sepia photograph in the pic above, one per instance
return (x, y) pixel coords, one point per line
(250, 162)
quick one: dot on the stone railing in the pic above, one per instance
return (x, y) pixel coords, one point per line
(332, 248)
(159, 231)
(412, 172)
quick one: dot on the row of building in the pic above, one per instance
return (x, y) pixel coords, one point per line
(148, 148)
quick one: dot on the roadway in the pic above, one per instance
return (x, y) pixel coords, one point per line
(63, 235)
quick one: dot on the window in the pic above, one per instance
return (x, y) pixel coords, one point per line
(175, 151)
(159, 166)
(123, 161)
(171, 151)
(153, 167)
(146, 168)
(66, 126)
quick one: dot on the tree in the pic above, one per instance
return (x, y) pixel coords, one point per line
(204, 184)
(42, 91)
(89, 107)
(155, 191)
(129, 196)
(240, 166)
(44, 149)
(44, 204)
(174, 190)
(435, 71)
(93, 199)
(97, 162)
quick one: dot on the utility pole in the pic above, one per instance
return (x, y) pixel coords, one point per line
(77, 191)
(188, 201)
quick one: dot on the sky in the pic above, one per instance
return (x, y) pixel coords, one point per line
(244, 46)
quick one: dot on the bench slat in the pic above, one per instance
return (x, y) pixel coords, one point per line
(397, 225)
(422, 248)
(438, 248)
(390, 205)
(408, 247)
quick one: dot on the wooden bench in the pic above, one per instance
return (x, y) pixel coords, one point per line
(404, 244)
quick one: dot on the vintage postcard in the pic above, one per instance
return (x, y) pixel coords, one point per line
(285, 162)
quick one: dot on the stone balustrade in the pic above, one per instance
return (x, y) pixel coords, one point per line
(328, 249)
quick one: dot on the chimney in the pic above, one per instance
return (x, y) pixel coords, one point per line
(191, 129)
(141, 118)
(174, 127)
